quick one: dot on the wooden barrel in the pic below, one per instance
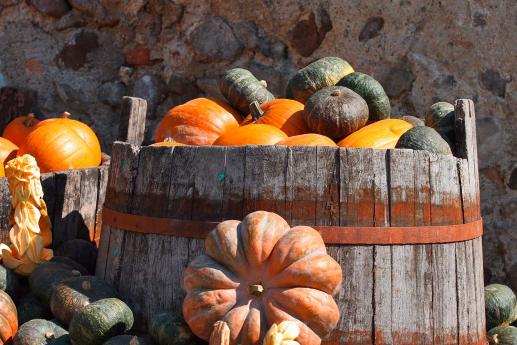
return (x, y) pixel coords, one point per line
(423, 288)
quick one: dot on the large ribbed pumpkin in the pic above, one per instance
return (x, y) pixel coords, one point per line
(19, 129)
(7, 152)
(382, 134)
(310, 139)
(251, 135)
(41, 332)
(62, 144)
(8, 318)
(258, 272)
(286, 114)
(500, 305)
(198, 122)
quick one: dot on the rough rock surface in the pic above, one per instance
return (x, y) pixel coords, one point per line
(81, 55)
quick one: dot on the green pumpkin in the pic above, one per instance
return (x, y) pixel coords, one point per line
(99, 321)
(321, 73)
(502, 335)
(70, 262)
(241, 88)
(415, 121)
(128, 340)
(9, 282)
(424, 138)
(46, 277)
(336, 112)
(41, 332)
(171, 329)
(441, 117)
(74, 293)
(500, 305)
(81, 251)
(371, 90)
(29, 308)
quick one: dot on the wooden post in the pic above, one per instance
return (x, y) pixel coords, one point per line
(132, 120)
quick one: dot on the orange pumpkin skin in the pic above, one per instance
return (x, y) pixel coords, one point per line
(62, 144)
(8, 151)
(382, 134)
(251, 135)
(258, 272)
(168, 142)
(286, 114)
(18, 129)
(8, 318)
(311, 139)
(198, 122)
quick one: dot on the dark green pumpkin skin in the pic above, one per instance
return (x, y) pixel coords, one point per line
(424, 138)
(9, 282)
(171, 329)
(373, 93)
(502, 335)
(70, 262)
(74, 293)
(321, 73)
(81, 251)
(240, 88)
(336, 112)
(500, 305)
(41, 332)
(46, 277)
(99, 321)
(415, 121)
(29, 308)
(128, 340)
(441, 117)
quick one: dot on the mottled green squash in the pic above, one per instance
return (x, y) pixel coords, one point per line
(415, 121)
(335, 112)
(321, 73)
(41, 332)
(74, 293)
(441, 117)
(29, 308)
(424, 138)
(9, 282)
(128, 340)
(70, 262)
(502, 335)
(373, 93)
(46, 277)
(500, 305)
(81, 251)
(99, 321)
(171, 329)
(240, 88)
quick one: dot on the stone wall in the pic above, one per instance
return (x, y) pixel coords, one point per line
(83, 55)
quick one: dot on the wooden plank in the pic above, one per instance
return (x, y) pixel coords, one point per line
(233, 177)
(132, 120)
(87, 210)
(445, 209)
(327, 191)
(265, 180)
(101, 197)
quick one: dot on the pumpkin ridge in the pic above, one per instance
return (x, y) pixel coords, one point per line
(92, 149)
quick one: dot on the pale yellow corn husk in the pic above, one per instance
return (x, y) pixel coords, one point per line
(31, 228)
(283, 334)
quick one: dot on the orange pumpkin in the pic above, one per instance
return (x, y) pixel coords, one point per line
(18, 129)
(198, 122)
(7, 152)
(168, 142)
(61, 144)
(251, 135)
(8, 318)
(259, 272)
(286, 114)
(311, 139)
(382, 134)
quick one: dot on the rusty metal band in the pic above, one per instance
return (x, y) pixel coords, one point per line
(330, 234)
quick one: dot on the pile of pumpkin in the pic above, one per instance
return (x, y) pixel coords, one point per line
(61, 303)
(56, 143)
(326, 104)
(501, 314)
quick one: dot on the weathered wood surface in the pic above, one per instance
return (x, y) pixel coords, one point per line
(74, 201)
(405, 294)
(132, 120)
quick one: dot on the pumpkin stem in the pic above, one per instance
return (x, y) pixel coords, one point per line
(335, 93)
(168, 140)
(76, 273)
(256, 289)
(50, 335)
(29, 120)
(255, 110)
(66, 114)
(263, 83)
(493, 339)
